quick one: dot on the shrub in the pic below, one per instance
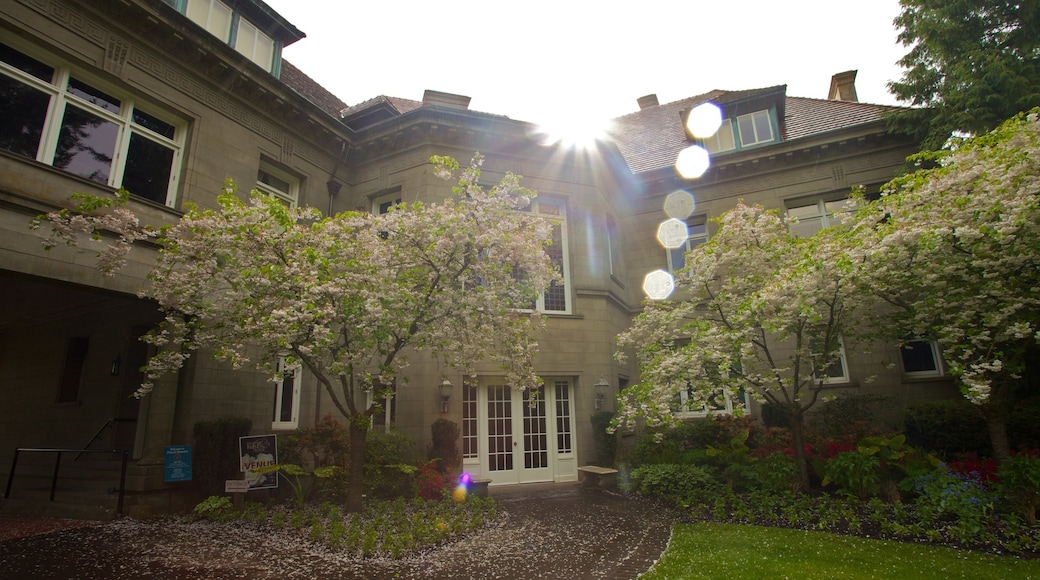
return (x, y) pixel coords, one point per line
(855, 473)
(859, 415)
(603, 442)
(687, 441)
(385, 454)
(214, 507)
(682, 484)
(946, 427)
(1020, 484)
(947, 496)
(444, 435)
(216, 452)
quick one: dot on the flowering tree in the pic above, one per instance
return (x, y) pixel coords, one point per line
(343, 296)
(761, 310)
(955, 250)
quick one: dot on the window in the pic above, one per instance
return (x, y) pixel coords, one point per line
(722, 140)
(613, 249)
(564, 441)
(383, 203)
(232, 28)
(807, 218)
(287, 397)
(72, 369)
(755, 128)
(837, 370)
(387, 406)
(469, 419)
(254, 45)
(56, 116)
(213, 15)
(921, 358)
(717, 404)
(555, 297)
(697, 234)
(274, 181)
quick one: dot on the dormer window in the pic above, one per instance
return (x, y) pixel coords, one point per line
(232, 28)
(755, 128)
(745, 131)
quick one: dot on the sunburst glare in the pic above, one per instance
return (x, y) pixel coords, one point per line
(574, 131)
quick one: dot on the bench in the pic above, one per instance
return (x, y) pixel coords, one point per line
(595, 476)
(479, 486)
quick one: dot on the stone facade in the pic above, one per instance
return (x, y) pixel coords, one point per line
(232, 119)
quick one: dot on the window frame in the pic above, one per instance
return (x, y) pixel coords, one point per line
(826, 216)
(290, 197)
(714, 143)
(843, 360)
(937, 360)
(558, 217)
(692, 241)
(61, 99)
(279, 391)
(233, 36)
(754, 117)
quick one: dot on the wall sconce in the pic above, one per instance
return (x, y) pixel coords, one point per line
(601, 386)
(116, 363)
(445, 392)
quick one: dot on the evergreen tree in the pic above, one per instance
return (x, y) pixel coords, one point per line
(974, 63)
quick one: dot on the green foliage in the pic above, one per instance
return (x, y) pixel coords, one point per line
(973, 63)
(216, 454)
(682, 484)
(299, 479)
(1020, 484)
(946, 427)
(687, 441)
(214, 507)
(444, 445)
(326, 443)
(604, 442)
(385, 454)
(855, 473)
(862, 414)
(961, 502)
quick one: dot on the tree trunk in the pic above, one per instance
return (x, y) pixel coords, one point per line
(356, 469)
(798, 441)
(993, 411)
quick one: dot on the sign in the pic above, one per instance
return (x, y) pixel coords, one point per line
(177, 463)
(258, 451)
(236, 486)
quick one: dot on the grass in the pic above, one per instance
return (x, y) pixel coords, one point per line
(710, 550)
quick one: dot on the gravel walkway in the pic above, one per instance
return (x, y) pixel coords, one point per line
(545, 531)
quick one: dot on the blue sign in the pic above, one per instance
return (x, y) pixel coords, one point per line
(177, 463)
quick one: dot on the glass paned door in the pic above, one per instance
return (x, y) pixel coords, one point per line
(518, 436)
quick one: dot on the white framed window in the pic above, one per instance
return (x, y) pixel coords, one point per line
(755, 128)
(273, 181)
(254, 44)
(696, 234)
(921, 358)
(469, 419)
(383, 203)
(66, 119)
(805, 218)
(717, 404)
(287, 397)
(837, 370)
(213, 15)
(722, 140)
(613, 248)
(557, 297)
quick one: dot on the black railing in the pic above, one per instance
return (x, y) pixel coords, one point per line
(102, 430)
(57, 465)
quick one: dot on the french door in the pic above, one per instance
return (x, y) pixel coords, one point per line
(524, 437)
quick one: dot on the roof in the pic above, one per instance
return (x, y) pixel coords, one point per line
(651, 139)
(295, 79)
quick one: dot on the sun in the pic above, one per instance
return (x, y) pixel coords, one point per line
(573, 130)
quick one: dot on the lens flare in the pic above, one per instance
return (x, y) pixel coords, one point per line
(704, 120)
(692, 162)
(459, 494)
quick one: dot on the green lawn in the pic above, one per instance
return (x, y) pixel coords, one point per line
(709, 550)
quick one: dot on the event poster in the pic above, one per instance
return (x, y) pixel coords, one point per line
(258, 451)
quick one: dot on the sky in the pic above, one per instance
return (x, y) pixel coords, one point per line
(575, 62)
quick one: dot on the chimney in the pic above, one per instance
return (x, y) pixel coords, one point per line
(843, 87)
(445, 99)
(647, 101)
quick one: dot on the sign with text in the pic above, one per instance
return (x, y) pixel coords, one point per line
(258, 451)
(236, 486)
(177, 463)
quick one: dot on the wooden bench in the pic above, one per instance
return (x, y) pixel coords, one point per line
(595, 476)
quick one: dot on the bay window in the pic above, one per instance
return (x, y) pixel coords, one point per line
(56, 116)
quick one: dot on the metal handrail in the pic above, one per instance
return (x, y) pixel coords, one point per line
(102, 430)
(57, 464)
